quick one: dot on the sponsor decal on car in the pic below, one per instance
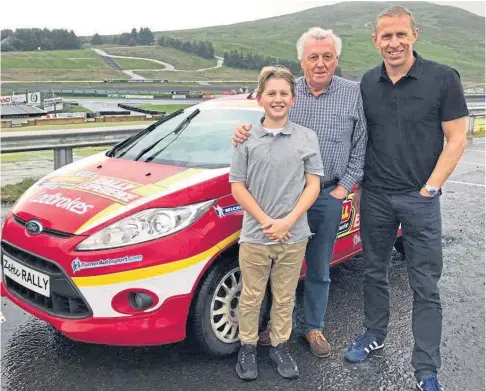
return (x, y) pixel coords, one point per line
(349, 219)
(78, 265)
(114, 189)
(74, 205)
(227, 210)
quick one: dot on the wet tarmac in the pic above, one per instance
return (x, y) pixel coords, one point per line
(36, 357)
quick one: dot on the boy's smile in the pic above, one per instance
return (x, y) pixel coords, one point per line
(276, 99)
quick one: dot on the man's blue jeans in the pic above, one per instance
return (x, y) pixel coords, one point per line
(324, 218)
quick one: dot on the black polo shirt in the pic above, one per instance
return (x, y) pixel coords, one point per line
(405, 137)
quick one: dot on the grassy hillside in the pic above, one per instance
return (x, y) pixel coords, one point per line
(447, 34)
(56, 65)
(223, 73)
(178, 58)
(87, 65)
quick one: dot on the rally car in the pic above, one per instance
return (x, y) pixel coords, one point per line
(139, 245)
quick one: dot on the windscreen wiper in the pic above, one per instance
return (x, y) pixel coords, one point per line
(178, 130)
(145, 131)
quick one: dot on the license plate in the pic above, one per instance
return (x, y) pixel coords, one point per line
(25, 276)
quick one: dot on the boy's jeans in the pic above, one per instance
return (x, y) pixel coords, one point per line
(282, 263)
(324, 218)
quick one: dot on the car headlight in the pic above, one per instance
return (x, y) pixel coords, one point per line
(144, 226)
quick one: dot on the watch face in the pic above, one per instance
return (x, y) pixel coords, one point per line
(433, 191)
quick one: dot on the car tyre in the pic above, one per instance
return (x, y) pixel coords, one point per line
(213, 303)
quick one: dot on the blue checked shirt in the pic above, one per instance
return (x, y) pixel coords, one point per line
(338, 118)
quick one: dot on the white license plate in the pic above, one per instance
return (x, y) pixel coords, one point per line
(25, 276)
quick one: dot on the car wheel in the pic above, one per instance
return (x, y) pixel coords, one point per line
(215, 310)
(400, 247)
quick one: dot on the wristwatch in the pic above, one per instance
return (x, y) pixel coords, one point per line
(433, 191)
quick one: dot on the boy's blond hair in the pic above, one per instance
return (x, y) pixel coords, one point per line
(278, 72)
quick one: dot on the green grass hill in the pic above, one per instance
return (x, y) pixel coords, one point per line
(447, 34)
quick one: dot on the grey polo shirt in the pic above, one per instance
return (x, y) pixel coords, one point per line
(273, 168)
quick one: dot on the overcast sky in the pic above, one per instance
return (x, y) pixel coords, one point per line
(113, 17)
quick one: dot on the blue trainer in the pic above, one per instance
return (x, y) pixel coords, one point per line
(429, 383)
(362, 347)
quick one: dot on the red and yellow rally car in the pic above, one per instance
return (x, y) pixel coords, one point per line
(139, 245)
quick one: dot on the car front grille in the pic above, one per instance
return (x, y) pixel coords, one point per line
(51, 232)
(65, 301)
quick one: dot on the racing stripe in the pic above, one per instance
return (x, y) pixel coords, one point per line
(153, 271)
(230, 239)
(178, 177)
(154, 188)
(113, 208)
(146, 190)
(166, 186)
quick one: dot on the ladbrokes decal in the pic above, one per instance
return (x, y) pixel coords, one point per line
(88, 182)
(74, 205)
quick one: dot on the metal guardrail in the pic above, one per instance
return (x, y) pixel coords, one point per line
(472, 118)
(64, 141)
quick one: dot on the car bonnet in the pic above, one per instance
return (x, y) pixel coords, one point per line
(81, 196)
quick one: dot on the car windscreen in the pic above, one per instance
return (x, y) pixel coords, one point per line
(204, 140)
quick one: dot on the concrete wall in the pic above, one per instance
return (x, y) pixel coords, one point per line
(58, 121)
(124, 118)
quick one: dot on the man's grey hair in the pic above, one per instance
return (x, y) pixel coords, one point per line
(318, 33)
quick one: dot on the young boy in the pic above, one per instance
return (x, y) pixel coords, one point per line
(275, 178)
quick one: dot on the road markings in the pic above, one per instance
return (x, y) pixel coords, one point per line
(466, 183)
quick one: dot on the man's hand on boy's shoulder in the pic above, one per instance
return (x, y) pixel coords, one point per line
(242, 132)
(277, 229)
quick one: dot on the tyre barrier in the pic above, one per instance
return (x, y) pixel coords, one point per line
(106, 112)
(139, 110)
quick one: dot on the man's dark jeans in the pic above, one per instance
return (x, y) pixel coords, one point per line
(421, 223)
(324, 217)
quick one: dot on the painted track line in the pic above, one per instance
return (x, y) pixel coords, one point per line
(479, 164)
(466, 183)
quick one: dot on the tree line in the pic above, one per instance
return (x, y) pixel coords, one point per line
(236, 59)
(28, 39)
(202, 49)
(143, 36)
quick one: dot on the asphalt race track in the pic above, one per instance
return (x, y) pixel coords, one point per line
(36, 357)
(126, 87)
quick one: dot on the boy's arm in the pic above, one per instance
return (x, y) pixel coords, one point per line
(248, 203)
(311, 191)
(314, 169)
(307, 198)
(238, 176)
